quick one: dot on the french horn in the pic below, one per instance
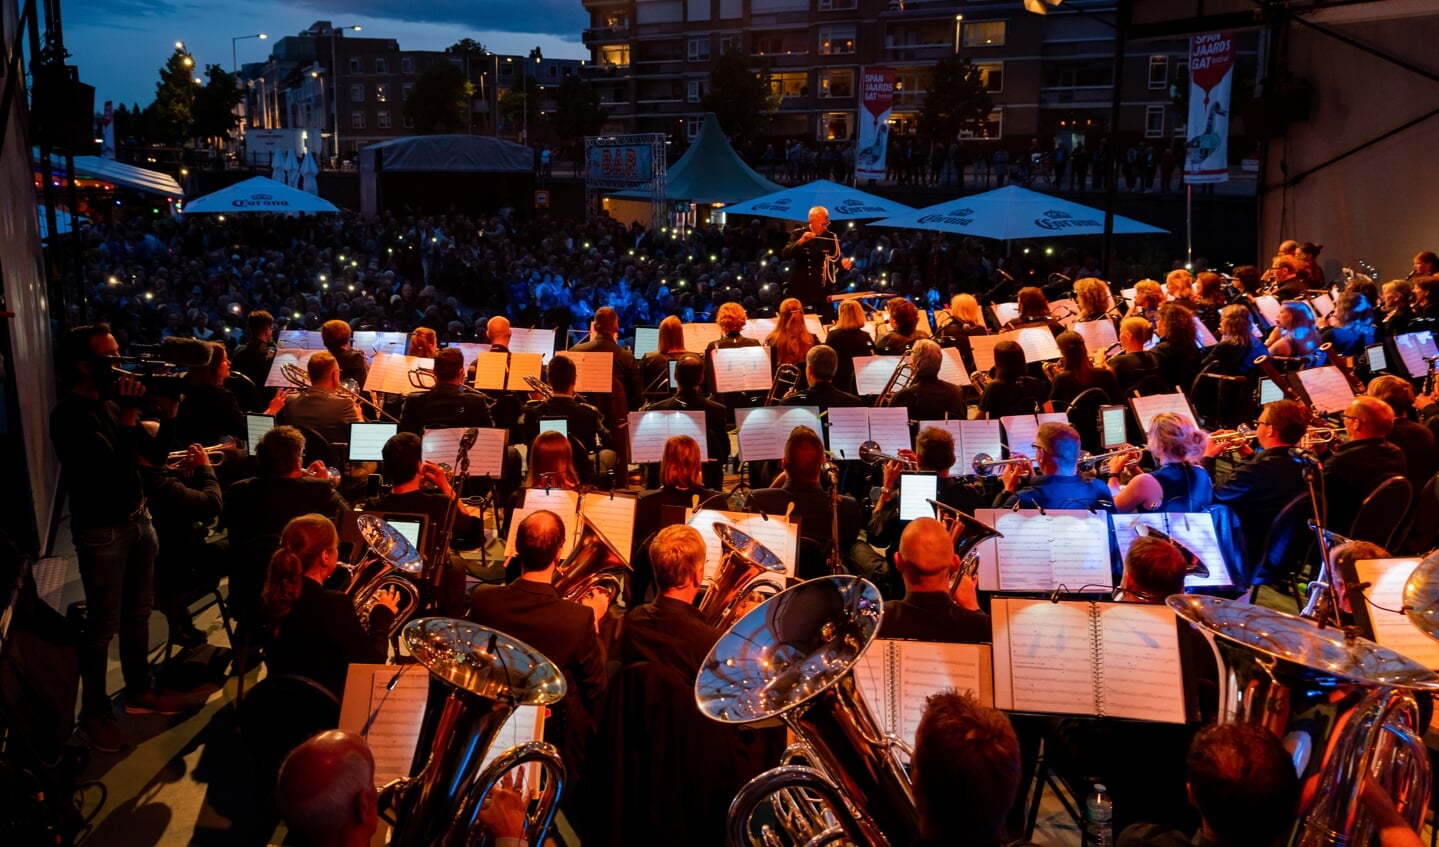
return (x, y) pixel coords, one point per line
(390, 561)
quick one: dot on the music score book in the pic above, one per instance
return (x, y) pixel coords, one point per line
(775, 532)
(951, 367)
(698, 336)
(1021, 431)
(1114, 660)
(650, 430)
(1386, 578)
(647, 340)
(507, 371)
(1145, 408)
(470, 350)
(370, 342)
(896, 677)
(287, 356)
(758, 328)
(970, 439)
(981, 349)
(612, 514)
(1202, 336)
(540, 341)
(1098, 335)
(594, 372)
(1412, 348)
(1037, 341)
(1005, 312)
(1325, 388)
(851, 427)
(487, 454)
(741, 369)
(303, 339)
(1195, 530)
(872, 373)
(1044, 551)
(763, 431)
(390, 373)
(1269, 308)
(399, 712)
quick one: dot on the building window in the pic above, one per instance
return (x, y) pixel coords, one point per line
(1153, 121)
(382, 92)
(357, 120)
(836, 83)
(993, 75)
(507, 69)
(835, 5)
(382, 120)
(768, 44)
(730, 42)
(409, 122)
(617, 55)
(699, 50)
(692, 129)
(694, 90)
(381, 66)
(407, 65)
(354, 66)
(1158, 72)
(983, 33)
(836, 40)
(357, 93)
(789, 84)
(835, 126)
(554, 71)
(405, 91)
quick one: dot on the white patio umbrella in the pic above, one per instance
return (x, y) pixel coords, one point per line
(843, 202)
(258, 194)
(277, 165)
(1012, 212)
(310, 171)
(292, 170)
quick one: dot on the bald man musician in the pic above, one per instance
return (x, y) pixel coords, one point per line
(814, 256)
(926, 558)
(326, 791)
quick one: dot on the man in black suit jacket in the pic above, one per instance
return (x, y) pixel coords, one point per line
(1414, 439)
(562, 630)
(820, 365)
(803, 462)
(926, 559)
(585, 424)
(813, 253)
(689, 373)
(627, 389)
(1362, 462)
(449, 403)
(336, 336)
(929, 398)
(1258, 487)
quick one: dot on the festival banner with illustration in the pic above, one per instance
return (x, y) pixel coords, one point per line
(1211, 76)
(876, 102)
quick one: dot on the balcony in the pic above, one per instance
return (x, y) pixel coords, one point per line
(606, 34)
(1075, 95)
(918, 52)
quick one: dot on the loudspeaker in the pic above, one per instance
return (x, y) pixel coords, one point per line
(63, 109)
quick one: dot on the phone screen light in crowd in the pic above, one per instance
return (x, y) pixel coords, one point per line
(1049, 251)
(149, 295)
(222, 219)
(297, 316)
(235, 307)
(712, 258)
(633, 252)
(739, 278)
(114, 280)
(322, 277)
(351, 287)
(851, 224)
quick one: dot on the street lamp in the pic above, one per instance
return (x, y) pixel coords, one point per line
(958, 22)
(335, 81)
(234, 64)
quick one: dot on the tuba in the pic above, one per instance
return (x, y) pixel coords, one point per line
(745, 565)
(592, 565)
(1344, 707)
(966, 533)
(390, 562)
(792, 659)
(477, 678)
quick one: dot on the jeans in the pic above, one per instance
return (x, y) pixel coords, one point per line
(117, 565)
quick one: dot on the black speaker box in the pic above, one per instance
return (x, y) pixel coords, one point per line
(63, 109)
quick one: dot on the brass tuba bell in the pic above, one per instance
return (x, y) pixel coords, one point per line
(389, 562)
(966, 533)
(592, 565)
(744, 564)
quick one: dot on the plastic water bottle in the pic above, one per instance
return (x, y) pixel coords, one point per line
(1099, 814)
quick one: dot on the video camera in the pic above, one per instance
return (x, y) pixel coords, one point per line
(162, 367)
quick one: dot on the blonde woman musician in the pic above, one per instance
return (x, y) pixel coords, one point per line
(1294, 336)
(1179, 484)
(1148, 297)
(848, 339)
(791, 339)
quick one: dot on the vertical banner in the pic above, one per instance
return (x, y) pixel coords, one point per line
(107, 134)
(876, 101)
(1211, 75)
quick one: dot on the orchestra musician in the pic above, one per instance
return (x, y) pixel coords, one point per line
(1286, 275)
(1179, 288)
(1209, 299)
(848, 339)
(1177, 353)
(1148, 297)
(1034, 310)
(1308, 256)
(1238, 346)
(966, 771)
(626, 392)
(1179, 484)
(791, 339)
(680, 487)
(1078, 374)
(1058, 486)
(1351, 325)
(551, 465)
(689, 372)
(1294, 337)
(423, 343)
(814, 254)
(731, 318)
(1094, 299)
(1134, 364)
(209, 410)
(803, 461)
(966, 320)
(1414, 439)
(1012, 390)
(655, 366)
(1426, 299)
(253, 358)
(450, 403)
(1426, 263)
(1248, 279)
(320, 408)
(1262, 482)
(336, 337)
(927, 397)
(1395, 299)
(586, 425)
(904, 328)
(183, 503)
(820, 366)
(326, 791)
(927, 612)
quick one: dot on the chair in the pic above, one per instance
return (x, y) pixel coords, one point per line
(245, 391)
(318, 448)
(1382, 511)
(1422, 532)
(1149, 384)
(1084, 416)
(278, 716)
(1286, 549)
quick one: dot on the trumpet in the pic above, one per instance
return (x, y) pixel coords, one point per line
(871, 454)
(1052, 370)
(980, 380)
(785, 377)
(985, 464)
(300, 378)
(215, 452)
(1317, 435)
(331, 474)
(898, 381)
(1238, 438)
(1089, 463)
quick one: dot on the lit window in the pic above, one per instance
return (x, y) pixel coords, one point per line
(983, 33)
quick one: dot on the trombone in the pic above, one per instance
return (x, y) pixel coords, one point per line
(540, 387)
(898, 381)
(423, 379)
(216, 452)
(786, 377)
(299, 378)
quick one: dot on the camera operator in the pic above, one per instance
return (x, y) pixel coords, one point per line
(99, 440)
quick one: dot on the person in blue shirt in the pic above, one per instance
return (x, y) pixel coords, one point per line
(1058, 486)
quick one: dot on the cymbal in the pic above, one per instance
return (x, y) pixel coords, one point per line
(1302, 642)
(484, 661)
(1421, 596)
(389, 544)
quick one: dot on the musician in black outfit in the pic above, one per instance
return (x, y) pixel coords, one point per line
(1012, 391)
(1135, 364)
(336, 336)
(848, 339)
(820, 364)
(804, 461)
(689, 372)
(1177, 353)
(731, 319)
(813, 253)
(1395, 299)
(586, 425)
(253, 358)
(1238, 347)
(927, 612)
(184, 502)
(929, 398)
(1414, 439)
(679, 488)
(1260, 485)
(1362, 462)
(626, 390)
(450, 403)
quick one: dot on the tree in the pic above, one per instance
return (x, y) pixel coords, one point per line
(175, 98)
(438, 102)
(739, 97)
(520, 105)
(956, 100)
(577, 110)
(466, 47)
(215, 104)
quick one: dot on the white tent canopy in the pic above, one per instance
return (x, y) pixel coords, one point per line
(843, 202)
(1012, 212)
(258, 194)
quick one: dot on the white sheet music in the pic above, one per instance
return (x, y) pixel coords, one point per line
(814, 325)
(1128, 295)
(926, 668)
(469, 350)
(890, 427)
(490, 371)
(650, 430)
(647, 340)
(1268, 306)
(981, 347)
(371, 342)
(1322, 304)
(951, 367)
(699, 335)
(1386, 578)
(742, 369)
(563, 503)
(390, 373)
(970, 439)
(1195, 530)
(540, 341)
(1098, 335)
(594, 372)
(1020, 431)
(487, 454)
(526, 724)
(302, 339)
(613, 515)
(1005, 312)
(1041, 552)
(1038, 343)
(758, 328)
(871, 373)
(398, 713)
(1413, 347)
(367, 440)
(778, 535)
(1043, 657)
(1327, 389)
(286, 356)
(1202, 336)
(255, 428)
(1142, 674)
(848, 428)
(915, 492)
(764, 431)
(1145, 408)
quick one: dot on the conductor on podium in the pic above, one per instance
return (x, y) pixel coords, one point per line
(814, 256)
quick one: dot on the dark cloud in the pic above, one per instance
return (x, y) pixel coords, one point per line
(563, 18)
(115, 11)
